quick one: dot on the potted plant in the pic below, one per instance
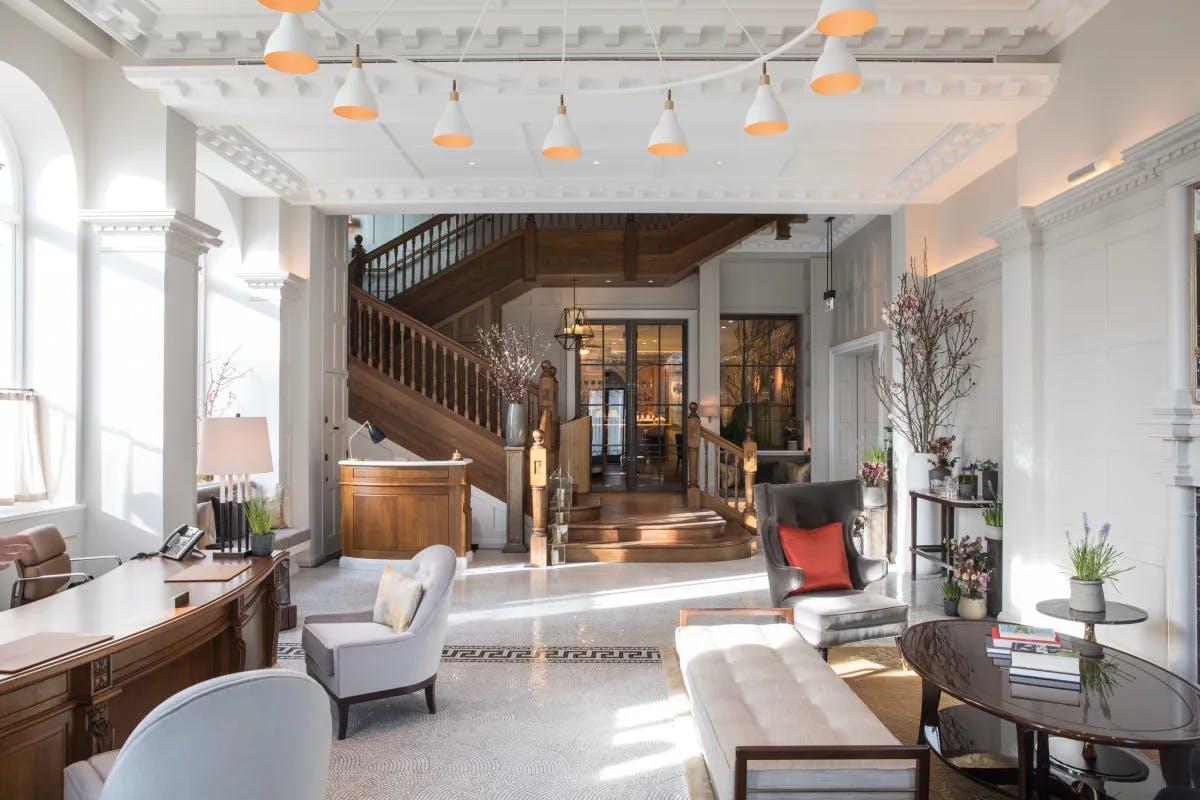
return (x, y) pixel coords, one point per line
(989, 479)
(941, 461)
(993, 517)
(261, 518)
(973, 575)
(1093, 561)
(951, 594)
(873, 472)
(512, 360)
(968, 482)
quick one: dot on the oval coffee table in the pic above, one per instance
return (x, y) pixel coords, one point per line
(1125, 702)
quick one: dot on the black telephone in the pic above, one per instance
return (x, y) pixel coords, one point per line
(181, 542)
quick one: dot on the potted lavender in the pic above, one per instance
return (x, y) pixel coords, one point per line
(873, 473)
(968, 482)
(1093, 561)
(512, 359)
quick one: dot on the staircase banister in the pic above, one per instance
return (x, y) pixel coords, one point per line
(722, 442)
(367, 299)
(411, 233)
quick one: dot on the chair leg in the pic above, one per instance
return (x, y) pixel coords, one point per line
(429, 699)
(343, 718)
(824, 652)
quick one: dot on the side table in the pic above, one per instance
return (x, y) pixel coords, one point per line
(939, 553)
(1113, 614)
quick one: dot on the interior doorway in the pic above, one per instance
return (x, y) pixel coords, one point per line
(632, 382)
(856, 419)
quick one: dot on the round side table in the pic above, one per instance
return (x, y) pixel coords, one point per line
(1113, 614)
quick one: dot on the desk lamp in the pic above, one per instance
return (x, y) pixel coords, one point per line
(233, 449)
(373, 431)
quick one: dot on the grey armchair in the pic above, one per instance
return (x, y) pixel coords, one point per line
(357, 660)
(839, 616)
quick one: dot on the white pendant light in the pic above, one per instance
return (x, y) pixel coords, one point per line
(766, 116)
(836, 71)
(293, 6)
(452, 129)
(289, 49)
(668, 138)
(355, 100)
(561, 143)
(846, 17)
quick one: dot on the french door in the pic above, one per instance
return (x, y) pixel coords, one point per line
(632, 383)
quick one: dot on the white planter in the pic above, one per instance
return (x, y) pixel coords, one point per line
(916, 476)
(1087, 596)
(993, 532)
(972, 608)
(874, 496)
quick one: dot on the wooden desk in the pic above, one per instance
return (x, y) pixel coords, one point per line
(90, 701)
(395, 509)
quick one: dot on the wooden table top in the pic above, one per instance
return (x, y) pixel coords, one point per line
(126, 602)
(953, 502)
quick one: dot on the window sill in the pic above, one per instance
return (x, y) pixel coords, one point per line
(34, 510)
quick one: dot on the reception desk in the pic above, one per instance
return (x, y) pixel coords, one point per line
(89, 701)
(394, 509)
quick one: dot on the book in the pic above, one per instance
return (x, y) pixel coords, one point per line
(1047, 658)
(999, 641)
(1046, 692)
(1015, 672)
(1023, 633)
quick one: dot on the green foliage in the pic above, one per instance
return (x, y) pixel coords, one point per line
(994, 514)
(875, 455)
(952, 590)
(1094, 559)
(989, 464)
(258, 514)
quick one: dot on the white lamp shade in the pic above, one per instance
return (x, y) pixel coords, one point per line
(561, 142)
(452, 129)
(766, 116)
(836, 71)
(846, 17)
(668, 138)
(355, 100)
(295, 6)
(289, 48)
(234, 446)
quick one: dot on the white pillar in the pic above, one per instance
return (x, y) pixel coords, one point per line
(1022, 322)
(821, 336)
(708, 338)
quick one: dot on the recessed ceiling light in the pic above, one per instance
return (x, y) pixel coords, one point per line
(595, 163)
(470, 163)
(720, 163)
(608, 281)
(652, 280)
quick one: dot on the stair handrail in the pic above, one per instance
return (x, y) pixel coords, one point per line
(719, 470)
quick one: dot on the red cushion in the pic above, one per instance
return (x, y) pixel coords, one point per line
(821, 553)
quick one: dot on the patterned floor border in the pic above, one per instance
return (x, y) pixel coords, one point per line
(506, 654)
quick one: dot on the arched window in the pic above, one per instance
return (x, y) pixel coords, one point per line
(10, 261)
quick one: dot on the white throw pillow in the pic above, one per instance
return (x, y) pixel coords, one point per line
(397, 600)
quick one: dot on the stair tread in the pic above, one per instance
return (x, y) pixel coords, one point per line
(661, 545)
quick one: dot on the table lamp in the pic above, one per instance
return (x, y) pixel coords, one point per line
(232, 449)
(374, 431)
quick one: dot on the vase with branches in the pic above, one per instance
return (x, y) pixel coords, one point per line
(512, 357)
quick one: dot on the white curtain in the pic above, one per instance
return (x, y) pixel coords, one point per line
(22, 476)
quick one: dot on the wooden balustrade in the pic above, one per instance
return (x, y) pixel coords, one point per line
(721, 473)
(425, 361)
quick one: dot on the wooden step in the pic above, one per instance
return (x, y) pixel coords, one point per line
(585, 508)
(723, 549)
(709, 529)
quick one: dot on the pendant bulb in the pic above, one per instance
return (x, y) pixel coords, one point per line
(355, 100)
(561, 143)
(836, 71)
(668, 139)
(289, 49)
(292, 6)
(452, 129)
(766, 116)
(846, 17)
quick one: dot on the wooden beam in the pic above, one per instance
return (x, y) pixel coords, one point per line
(783, 228)
(530, 248)
(632, 247)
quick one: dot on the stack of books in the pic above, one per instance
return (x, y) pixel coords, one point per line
(1039, 667)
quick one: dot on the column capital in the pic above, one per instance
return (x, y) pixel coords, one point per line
(152, 231)
(269, 285)
(1017, 228)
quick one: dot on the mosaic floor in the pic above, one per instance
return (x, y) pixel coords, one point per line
(551, 684)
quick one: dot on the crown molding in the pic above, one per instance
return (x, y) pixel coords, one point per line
(268, 285)
(1180, 141)
(239, 148)
(1017, 228)
(764, 241)
(954, 146)
(973, 273)
(152, 231)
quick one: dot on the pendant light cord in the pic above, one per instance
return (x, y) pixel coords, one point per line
(750, 38)
(829, 253)
(562, 69)
(366, 30)
(654, 41)
(471, 38)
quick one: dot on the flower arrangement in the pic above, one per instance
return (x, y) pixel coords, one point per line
(512, 359)
(993, 515)
(940, 449)
(1094, 559)
(967, 474)
(971, 569)
(932, 344)
(873, 468)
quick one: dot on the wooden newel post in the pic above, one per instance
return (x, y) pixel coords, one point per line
(539, 476)
(750, 465)
(693, 455)
(548, 403)
(358, 262)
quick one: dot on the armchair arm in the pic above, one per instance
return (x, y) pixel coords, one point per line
(347, 616)
(19, 582)
(865, 571)
(97, 558)
(785, 580)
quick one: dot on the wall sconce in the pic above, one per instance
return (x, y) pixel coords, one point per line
(1090, 170)
(710, 410)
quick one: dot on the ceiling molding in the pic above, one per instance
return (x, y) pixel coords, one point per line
(243, 151)
(131, 23)
(953, 147)
(151, 231)
(808, 242)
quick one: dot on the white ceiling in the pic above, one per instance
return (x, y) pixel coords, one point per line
(946, 81)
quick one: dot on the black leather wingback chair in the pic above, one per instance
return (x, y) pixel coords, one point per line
(837, 616)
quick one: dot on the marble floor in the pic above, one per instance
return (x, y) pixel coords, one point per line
(589, 718)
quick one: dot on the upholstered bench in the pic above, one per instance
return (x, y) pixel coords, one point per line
(774, 720)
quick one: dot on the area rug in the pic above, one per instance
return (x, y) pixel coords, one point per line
(877, 675)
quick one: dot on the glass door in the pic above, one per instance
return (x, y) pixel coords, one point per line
(632, 382)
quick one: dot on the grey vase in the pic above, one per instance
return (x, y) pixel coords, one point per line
(516, 425)
(1087, 596)
(261, 544)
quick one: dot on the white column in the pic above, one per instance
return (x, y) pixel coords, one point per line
(821, 336)
(141, 375)
(708, 349)
(1020, 241)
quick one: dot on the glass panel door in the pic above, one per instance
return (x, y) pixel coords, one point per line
(632, 381)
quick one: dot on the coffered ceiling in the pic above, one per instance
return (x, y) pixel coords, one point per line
(945, 83)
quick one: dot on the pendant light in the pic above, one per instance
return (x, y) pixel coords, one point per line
(667, 138)
(766, 116)
(575, 333)
(289, 49)
(452, 129)
(355, 100)
(292, 6)
(561, 143)
(846, 17)
(836, 71)
(830, 294)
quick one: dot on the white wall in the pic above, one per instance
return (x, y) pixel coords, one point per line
(861, 267)
(962, 216)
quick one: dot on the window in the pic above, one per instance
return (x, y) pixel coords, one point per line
(758, 378)
(10, 259)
